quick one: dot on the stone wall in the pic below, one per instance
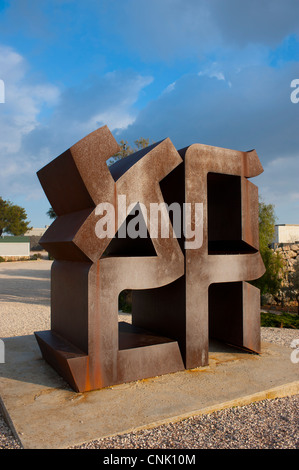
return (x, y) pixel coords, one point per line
(34, 243)
(289, 252)
(290, 255)
(14, 258)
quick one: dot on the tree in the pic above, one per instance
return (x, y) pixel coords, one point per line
(51, 213)
(13, 219)
(141, 143)
(126, 149)
(293, 284)
(267, 221)
(271, 281)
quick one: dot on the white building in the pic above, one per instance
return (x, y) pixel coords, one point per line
(286, 233)
(36, 232)
(14, 247)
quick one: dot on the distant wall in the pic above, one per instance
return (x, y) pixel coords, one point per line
(35, 235)
(286, 233)
(14, 247)
(34, 243)
(289, 252)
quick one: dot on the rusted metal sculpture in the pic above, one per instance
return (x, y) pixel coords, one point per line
(181, 295)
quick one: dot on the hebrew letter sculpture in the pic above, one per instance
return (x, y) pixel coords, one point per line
(181, 294)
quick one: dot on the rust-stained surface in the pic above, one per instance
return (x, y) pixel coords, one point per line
(181, 296)
(236, 257)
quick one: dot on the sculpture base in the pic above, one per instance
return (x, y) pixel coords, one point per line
(141, 354)
(45, 413)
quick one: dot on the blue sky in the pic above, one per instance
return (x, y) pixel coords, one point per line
(195, 71)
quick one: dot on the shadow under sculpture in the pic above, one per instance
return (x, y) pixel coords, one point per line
(181, 295)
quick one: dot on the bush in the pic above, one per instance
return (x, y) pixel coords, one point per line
(2, 260)
(284, 320)
(125, 301)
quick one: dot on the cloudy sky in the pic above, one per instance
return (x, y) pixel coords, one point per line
(197, 71)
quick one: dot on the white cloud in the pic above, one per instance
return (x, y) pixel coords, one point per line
(28, 141)
(254, 112)
(213, 72)
(169, 88)
(278, 185)
(106, 100)
(168, 29)
(19, 116)
(234, 101)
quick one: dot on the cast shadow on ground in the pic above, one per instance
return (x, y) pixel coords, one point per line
(25, 290)
(24, 362)
(27, 273)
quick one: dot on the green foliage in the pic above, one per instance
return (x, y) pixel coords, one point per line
(294, 279)
(12, 260)
(141, 143)
(271, 281)
(36, 256)
(126, 149)
(267, 221)
(292, 289)
(285, 320)
(51, 213)
(13, 219)
(125, 301)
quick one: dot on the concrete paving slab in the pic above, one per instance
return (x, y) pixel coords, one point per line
(45, 413)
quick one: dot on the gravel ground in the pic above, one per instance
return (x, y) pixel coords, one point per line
(7, 439)
(268, 424)
(24, 297)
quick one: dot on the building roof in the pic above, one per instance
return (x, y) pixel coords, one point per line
(12, 239)
(36, 231)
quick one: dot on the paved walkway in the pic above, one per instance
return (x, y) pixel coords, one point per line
(24, 297)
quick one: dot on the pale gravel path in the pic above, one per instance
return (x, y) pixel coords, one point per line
(269, 424)
(24, 297)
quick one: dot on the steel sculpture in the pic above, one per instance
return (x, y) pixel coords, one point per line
(181, 294)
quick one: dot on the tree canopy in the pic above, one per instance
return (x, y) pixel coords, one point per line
(267, 221)
(51, 213)
(126, 149)
(13, 219)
